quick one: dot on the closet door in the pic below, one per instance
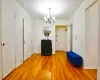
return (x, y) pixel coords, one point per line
(0, 45)
(25, 40)
(8, 53)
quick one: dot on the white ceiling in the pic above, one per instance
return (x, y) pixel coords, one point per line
(61, 9)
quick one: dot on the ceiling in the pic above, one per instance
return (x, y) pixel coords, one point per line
(61, 9)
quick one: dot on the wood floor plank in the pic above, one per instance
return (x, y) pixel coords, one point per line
(55, 67)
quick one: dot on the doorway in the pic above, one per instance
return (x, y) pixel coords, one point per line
(61, 38)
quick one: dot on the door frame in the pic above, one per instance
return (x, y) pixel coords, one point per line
(59, 26)
(71, 37)
(98, 73)
(23, 41)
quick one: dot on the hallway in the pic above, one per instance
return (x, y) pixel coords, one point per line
(27, 26)
(55, 67)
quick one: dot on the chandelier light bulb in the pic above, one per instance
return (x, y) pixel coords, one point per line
(49, 18)
(53, 17)
(45, 18)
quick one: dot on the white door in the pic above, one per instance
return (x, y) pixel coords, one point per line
(92, 36)
(61, 39)
(8, 53)
(0, 46)
(31, 34)
(27, 40)
(31, 39)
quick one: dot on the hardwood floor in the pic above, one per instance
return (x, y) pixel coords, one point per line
(55, 67)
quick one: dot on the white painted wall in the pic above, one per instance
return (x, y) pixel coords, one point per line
(62, 22)
(0, 43)
(20, 13)
(28, 28)
(40, 24)
(78, 21)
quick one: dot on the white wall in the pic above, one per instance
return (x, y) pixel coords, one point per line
(0, 45)
(21, 13)
(40, 24)
(62, 22)
(78, 21)
(28, 28)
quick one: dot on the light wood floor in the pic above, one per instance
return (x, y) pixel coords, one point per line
(55, 67)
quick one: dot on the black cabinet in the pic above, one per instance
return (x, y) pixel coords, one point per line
(46, 47)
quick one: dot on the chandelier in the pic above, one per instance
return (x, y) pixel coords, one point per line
(49, 19)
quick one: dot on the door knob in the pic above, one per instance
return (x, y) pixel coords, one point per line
(3, 44)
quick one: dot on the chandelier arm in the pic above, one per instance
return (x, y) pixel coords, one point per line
(49, 19)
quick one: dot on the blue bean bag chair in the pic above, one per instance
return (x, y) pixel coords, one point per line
(75, 59)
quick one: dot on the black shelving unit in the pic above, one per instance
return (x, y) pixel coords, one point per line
(46, 47)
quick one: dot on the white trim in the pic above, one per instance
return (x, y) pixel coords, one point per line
(92, 67)
(54, 53)
(98, 74)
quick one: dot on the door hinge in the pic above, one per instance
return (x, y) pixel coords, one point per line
(15, 60)
(24, 42)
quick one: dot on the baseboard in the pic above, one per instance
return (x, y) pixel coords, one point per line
(40, 53)
(53, 53)
(19, 64)
(94, 67)
(36, 53)
(60, 51)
